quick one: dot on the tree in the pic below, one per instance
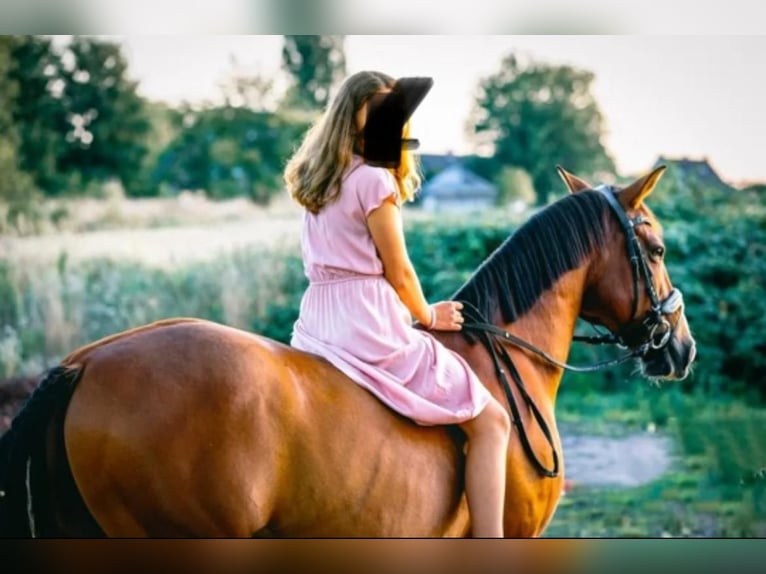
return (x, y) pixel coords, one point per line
(229, 151)
(9, 140)
(107, 126)
(78, 116)
(535, 116)
(316, 65)
(38, 113)
(514, 184)
(250, 90)
(166, 123)
(17, 193)
(235, 149)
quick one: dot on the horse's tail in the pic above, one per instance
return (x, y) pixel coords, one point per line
(23, 453)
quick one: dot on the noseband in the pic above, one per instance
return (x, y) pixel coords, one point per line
(652, 333)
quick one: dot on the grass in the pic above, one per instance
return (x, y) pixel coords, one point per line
(111, 210)
(716, 488)
(160, 232)
(49, 310)
(61, 290)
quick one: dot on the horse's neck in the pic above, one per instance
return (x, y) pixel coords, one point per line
(549, 325)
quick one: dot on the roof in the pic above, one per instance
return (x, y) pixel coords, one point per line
(431, 163)
(697, 169)
(456, 181)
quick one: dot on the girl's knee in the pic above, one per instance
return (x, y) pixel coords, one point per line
(492, 420)
(500, 420)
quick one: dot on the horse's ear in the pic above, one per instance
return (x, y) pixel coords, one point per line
(632, 196)
(574, 183)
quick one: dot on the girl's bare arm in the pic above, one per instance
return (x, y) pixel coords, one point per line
(385, 224)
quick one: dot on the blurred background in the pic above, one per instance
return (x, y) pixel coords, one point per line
(141, 179)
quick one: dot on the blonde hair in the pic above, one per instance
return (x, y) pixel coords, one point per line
(314, 172)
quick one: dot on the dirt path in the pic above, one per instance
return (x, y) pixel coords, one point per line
(624, 461)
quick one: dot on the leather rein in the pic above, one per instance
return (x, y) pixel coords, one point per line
(653, 333)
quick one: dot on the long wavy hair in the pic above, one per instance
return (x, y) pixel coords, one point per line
(314, 172)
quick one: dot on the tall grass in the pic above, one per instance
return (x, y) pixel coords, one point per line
(47, 311)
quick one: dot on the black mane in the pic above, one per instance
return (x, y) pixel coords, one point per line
(555, 240)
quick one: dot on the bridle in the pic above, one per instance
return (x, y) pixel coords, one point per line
(655, 328)
(652, 333)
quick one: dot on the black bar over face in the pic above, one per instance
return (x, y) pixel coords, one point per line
(386, 115)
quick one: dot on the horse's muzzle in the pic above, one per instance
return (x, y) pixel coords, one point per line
(673, 361)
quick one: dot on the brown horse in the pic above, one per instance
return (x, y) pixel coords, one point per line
(185, 427)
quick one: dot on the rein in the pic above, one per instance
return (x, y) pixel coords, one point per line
(492, 338)
(487, 334)
(479, 324)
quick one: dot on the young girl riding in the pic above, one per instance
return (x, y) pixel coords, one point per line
(364, 293)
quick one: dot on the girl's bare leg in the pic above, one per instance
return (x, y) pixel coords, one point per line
(488, 436)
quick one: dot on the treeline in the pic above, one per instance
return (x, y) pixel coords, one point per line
(72, 118)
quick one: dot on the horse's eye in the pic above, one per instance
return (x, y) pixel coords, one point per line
(658, 252)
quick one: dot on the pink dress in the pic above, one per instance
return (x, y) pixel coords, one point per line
(351, 315)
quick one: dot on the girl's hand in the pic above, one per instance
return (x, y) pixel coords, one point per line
(446, 316)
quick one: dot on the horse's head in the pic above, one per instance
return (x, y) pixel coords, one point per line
(629, 290)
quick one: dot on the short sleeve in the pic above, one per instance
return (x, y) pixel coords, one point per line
(375, 185)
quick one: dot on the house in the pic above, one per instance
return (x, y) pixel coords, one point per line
(431, 163)
(456, 188)
(687, 170)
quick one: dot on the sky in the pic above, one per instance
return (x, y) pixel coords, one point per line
(677, 96)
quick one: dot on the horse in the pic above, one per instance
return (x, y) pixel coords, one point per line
(190, 428)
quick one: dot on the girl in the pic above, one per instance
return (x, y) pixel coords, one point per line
(363, 293)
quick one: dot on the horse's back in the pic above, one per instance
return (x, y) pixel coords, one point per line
(191, 427)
